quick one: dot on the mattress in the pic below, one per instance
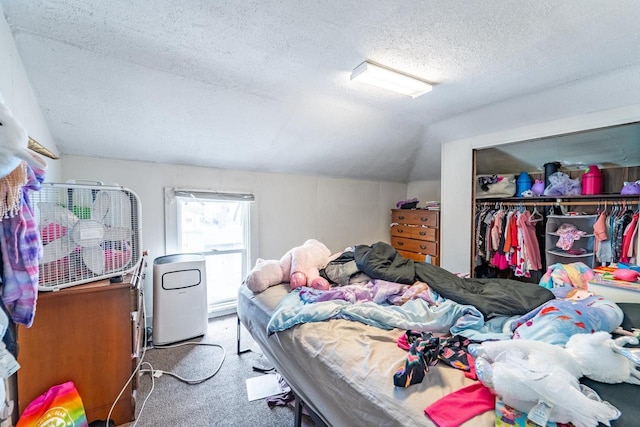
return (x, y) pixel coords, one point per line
(343, 370)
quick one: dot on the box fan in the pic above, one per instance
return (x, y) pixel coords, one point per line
(88, 233)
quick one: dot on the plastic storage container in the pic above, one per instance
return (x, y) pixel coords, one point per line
(592, 181)
(523, 183)
(582, 250)
(549, 169)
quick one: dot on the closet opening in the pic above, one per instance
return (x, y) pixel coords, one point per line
(615, 152)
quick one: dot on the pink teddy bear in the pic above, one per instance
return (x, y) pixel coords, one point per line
(300, 266)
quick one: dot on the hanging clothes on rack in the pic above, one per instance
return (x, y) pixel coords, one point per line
(499, 258)
(506, 238)
(21, 171)
(620, 224)
(602, 243)
(483, 248)
(21, 253)
(480, 234)
(628, 240)
(615, 231)
(530, 258)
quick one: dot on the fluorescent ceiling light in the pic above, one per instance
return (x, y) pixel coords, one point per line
(386, 78)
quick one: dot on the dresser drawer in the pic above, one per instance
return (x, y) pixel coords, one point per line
(419, 257)
(412, 245)
(419, 233)
(415, 217)
(401, 230)
(422, 233)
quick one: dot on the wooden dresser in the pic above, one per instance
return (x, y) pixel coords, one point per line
(90, 334)
(416, 233)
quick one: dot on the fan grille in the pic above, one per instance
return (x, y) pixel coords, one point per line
(88, 233)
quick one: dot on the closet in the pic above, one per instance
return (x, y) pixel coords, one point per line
(560, 219)
(553, 216)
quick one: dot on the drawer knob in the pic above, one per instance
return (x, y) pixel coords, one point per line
(401, 217)
(422, 233)
(423, 218)
(400, 230)
(400, 243)
(423, 247)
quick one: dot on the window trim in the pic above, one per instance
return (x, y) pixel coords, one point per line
(213, 195)
(171, 195)
(171, 219)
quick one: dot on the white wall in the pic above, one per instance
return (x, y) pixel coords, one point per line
(604, 100)
(288, 209)
(424, 191)
(18, 95)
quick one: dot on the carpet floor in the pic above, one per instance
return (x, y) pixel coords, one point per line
(219, 401)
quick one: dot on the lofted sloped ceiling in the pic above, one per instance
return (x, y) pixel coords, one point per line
(264, 85)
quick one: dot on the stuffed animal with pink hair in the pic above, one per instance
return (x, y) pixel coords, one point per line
(300, 266)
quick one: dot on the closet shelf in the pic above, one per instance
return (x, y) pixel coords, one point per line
(554, 199)
(555, 254)
(568, 255)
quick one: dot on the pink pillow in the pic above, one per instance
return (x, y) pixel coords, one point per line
(625, 274)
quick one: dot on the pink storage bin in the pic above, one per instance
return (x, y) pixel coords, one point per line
(592, 181)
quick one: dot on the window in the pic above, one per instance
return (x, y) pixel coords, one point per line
(216, 225)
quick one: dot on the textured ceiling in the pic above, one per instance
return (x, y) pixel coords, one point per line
(264, 85)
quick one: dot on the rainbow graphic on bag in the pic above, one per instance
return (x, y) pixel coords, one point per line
(60, 406)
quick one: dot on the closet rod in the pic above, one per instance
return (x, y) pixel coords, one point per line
(608, 202)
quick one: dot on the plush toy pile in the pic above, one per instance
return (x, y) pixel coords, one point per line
(300, 266)
(526, 372)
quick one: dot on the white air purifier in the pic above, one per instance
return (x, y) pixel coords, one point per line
(179, 298)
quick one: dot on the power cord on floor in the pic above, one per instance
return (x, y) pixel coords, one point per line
(135, 371)
(144, 402)
(157, 373)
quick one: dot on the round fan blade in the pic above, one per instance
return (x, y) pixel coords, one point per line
(55, 250)
(93, 259)
(50, 212)
(100, 206)
(117, 233)
(119, 214)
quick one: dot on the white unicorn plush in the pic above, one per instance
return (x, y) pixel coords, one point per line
(14, 143)
(526, 372)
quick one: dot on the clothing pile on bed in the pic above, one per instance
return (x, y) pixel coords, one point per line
(442, 312)
(390, 291)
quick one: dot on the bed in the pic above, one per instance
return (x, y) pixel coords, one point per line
(343, 370)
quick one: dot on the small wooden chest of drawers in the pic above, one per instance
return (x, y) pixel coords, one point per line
(415, 233)
(91, 334)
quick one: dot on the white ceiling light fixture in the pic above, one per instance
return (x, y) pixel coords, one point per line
(389, 79)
